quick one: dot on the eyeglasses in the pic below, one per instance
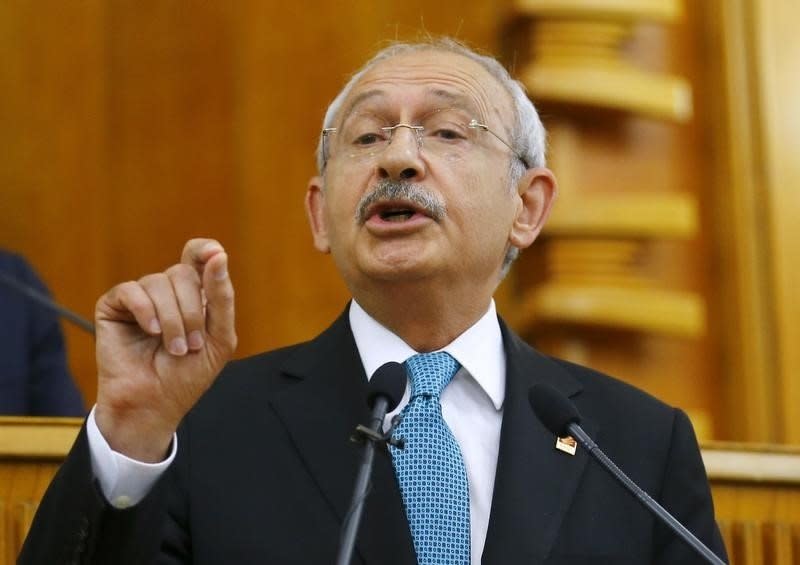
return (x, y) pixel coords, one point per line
(445, 133)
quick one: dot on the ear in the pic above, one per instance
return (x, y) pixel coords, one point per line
(537, 191)
(315, 210)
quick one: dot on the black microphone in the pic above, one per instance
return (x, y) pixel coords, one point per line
(386, 389)
(561, 417)
(44, 300)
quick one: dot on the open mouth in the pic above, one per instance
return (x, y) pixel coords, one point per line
(396, 214)
(399, 202)
(396, 211)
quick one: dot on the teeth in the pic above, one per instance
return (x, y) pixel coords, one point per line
(397, 215)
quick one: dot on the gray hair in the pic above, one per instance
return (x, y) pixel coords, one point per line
(528, 135)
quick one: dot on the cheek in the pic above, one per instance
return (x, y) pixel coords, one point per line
(498, 219)
(484, 228)
(487, 204)
(342, 199)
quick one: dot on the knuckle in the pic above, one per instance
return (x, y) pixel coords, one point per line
(225, 299)
(182, 271)
(153, 279)
(123, 289)
(172, 323)
(100, 305)
(193, 317)
(139, 305)
(131, 294)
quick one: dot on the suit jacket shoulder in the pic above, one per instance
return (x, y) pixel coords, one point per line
(550, 507)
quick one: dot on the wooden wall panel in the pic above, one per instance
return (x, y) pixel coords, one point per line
(639, 288)
(751, 52)
(170, 143)
(53, 198)
(129, 127)
(778, 58)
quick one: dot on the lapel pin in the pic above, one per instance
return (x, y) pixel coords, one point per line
(567, 444)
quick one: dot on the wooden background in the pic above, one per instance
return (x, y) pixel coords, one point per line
(127, 127)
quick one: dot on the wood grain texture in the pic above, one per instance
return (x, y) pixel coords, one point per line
(777, 56)
(129, 127)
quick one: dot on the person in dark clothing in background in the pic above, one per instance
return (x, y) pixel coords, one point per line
(34, 378)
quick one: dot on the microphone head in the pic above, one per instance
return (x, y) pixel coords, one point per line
(553, 409)
(389, 381)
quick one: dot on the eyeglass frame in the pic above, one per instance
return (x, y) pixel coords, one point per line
(418, 130)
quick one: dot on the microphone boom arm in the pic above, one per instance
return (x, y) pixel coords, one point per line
(44, 300)
(645, 499)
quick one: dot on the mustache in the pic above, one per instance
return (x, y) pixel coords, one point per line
(388, 189)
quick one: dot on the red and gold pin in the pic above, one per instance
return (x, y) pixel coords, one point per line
(567, 444)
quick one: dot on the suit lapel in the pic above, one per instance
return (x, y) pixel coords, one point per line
(535, 482)
(320, 413)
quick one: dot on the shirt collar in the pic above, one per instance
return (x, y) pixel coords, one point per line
(479, 349)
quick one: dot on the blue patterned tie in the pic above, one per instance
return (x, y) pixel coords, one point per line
(430, 470)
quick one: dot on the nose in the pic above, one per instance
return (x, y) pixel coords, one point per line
(402, 158)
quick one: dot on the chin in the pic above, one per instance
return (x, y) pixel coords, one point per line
(397, 268)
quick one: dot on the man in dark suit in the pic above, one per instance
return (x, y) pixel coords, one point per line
(34, 378)
(431, 179)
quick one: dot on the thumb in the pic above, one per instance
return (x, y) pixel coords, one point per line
(219, 293)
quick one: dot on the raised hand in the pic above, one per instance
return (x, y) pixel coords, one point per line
(161, 342)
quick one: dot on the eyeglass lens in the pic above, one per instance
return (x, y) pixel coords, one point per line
(446, 133)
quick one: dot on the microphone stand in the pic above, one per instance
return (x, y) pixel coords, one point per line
(44, 300)
(370, 437)
(645, 499)
(561, 417)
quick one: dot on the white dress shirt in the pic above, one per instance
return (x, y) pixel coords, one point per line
(472, 406)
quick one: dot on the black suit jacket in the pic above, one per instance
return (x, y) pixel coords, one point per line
(265, 470)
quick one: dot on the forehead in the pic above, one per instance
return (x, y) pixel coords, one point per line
(430, 78)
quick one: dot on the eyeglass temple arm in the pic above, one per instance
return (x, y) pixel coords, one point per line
(475, 124)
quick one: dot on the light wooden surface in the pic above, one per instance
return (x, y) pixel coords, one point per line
(31, 450)
(753, 463)
(620, 87)
(609, 76)
(661, 10)
(650, 310)
(669, 215)
(756, 492)
(620, 279)
(37, 438)
(777, 58)
(752, 120)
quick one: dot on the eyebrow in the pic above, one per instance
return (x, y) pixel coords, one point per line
(360, 99)
(454, 99)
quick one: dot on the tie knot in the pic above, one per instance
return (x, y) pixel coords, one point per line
(431, 372)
